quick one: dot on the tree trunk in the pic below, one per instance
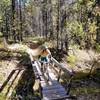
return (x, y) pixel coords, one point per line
(58, 25)
(6, 25)
(98, 29)
(20, 10)
(13, 20)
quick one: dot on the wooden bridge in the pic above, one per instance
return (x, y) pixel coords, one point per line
(49, 85)
(50, 88)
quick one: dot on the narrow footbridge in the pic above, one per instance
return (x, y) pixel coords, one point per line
(49, 85)
(48, 78)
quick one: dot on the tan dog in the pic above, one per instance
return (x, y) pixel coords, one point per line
(36, 50)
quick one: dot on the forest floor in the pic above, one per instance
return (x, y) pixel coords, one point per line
(16, 77)
(83, 87)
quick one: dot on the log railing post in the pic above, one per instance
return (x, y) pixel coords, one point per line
(59, 75)
(40, 90)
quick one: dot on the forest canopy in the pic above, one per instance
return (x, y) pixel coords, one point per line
(67, 21)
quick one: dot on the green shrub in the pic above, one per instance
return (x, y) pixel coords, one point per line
(1, 34)
(71, 58)
(97, 47)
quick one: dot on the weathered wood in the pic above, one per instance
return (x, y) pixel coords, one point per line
(51, 75)
(55, 98)
(37, 68)
(60, 66)
(53, 90)
(54, 68)
(57, 89)
(59, 75)
(52, 86)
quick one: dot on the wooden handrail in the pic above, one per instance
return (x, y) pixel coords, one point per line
(60, 66)
(53, 81)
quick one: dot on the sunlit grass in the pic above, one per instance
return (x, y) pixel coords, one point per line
(97, 47)
(2, 96)
(85, 90)
(71, 58)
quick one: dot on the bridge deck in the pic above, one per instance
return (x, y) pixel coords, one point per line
(53, 92)
(52, 89)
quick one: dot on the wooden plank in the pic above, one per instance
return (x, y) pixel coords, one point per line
(53, 90)
(54, 97)
(38, 73)
(52, 87)
(53, 84)
(51, 74)
(60, 98)
(37, 68)
(54, 94)
(61, 66)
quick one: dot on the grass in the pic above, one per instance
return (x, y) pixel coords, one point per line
(83, 85)
(80, 75)
(85, 90)
(2, 96)
(97, 47)
(1, 77)
(71, 58)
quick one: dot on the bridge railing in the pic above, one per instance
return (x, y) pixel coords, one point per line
(61, 68)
